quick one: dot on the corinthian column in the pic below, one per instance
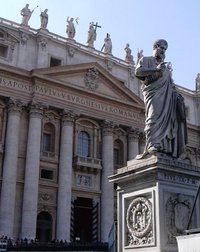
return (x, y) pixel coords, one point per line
(133, 143)
(30, 199)
(107, 191)
(65, 178)
(8, 189)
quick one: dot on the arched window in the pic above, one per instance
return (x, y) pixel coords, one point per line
(118, 153)
(48, 140)
(83, 144)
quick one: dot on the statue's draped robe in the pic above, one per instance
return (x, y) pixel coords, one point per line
(165, 125)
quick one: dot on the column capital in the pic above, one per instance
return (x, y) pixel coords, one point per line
(36, 109)
(68, 117)
(15, 106)
(108, 127)
(134, 133)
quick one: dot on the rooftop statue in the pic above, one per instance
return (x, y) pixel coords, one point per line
(165, 123)
(26, 14)
(70, 28)
(139, 54)
(44, 19)
(128, 56)
(107, 46)
(92, 34)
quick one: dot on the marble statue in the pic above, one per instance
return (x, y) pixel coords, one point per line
(139, 54)
(91, 35)
(44, 19)
(70, 28)
(26, 14)
(128, 56)
(165, 117)
(107, 46)
(198, 82)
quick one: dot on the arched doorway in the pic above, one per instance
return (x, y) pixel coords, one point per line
(44, 227)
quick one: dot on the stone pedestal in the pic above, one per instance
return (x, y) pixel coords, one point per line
(155, 200)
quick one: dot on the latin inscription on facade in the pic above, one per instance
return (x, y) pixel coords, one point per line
(59, 94)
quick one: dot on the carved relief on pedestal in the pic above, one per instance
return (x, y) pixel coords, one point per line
(178, 209)
(139, 222)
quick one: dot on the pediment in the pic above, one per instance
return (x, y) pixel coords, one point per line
(91, 78)
(7, 36)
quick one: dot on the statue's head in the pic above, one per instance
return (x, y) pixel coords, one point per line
(159, 48)
(160, 42)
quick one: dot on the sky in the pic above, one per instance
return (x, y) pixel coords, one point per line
(137, 22)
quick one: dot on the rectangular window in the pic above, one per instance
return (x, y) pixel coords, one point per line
(46, 174)
(3, 51)
(116, 156)
(46, 142)
(55, 62)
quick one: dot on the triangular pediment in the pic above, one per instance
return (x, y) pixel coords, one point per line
(91, 78)
(7, 36)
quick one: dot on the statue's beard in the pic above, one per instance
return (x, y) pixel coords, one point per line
(159, 56)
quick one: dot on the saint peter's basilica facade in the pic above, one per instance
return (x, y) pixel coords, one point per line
(70, 116)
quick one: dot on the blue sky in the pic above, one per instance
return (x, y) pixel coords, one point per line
(137, 22)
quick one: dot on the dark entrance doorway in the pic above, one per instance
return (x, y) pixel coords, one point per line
(83, 220)
(44, 227)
